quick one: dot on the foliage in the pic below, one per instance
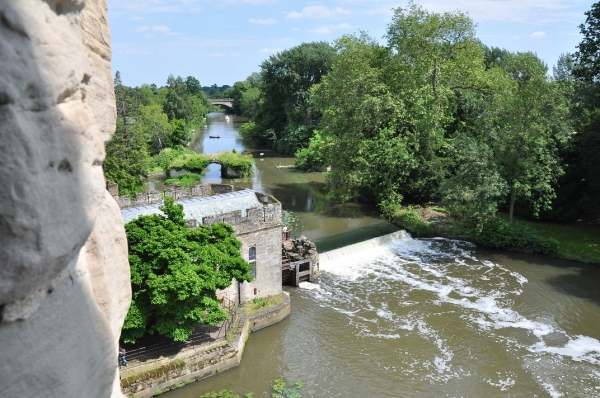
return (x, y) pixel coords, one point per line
(499, 233)
(232, 332)
(241, 163)
(476, 187)
(175, 272)
(281, 389)
(531, 127)
(154, 124)
(283, 109)
(578, 241)
(292, 221)
(197, 162)
(385, 108)
(412, 221)
(587, 55)
(185, 180)
(312, 158)
(126, 161)
(260, 303)
(250, 131)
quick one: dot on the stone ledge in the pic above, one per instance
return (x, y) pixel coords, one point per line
(230, 358)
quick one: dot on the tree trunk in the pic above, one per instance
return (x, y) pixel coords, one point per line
(513, 196)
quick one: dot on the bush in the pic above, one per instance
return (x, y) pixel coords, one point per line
(249, 131)
(185, 179)
(412, 221)
(500, 234)
(311, 158)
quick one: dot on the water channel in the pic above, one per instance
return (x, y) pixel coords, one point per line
(417, 318)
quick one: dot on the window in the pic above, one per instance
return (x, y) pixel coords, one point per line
(252, 260)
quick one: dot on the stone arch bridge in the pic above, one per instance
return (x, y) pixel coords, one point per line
(226, 103)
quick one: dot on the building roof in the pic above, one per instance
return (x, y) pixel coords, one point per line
(204, 206)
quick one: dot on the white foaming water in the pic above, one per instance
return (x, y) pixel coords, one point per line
(448, 274)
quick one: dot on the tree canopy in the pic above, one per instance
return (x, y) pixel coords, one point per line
(150, 119)
(175, 272)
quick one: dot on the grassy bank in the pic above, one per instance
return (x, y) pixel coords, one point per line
(259, 304)
(578, 241)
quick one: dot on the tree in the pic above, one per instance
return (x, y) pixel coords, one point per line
(175, 272)
(126, 161)
(588, 54)
(193, 85)
(532, 124)
(476, 188)
(286, 79)
(154, 124)
(386, 109)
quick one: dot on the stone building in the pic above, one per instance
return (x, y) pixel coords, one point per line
(255, 217)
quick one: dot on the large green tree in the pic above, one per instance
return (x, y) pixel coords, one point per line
(532, 125)
(175, 272)
(154, 124)
(386, 109)
(126, 161)
(285, 80)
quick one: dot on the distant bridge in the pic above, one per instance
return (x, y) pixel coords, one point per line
(226, 103)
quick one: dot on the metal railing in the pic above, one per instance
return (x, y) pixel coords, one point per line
(206, 334)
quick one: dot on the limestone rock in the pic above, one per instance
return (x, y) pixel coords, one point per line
(64, 287)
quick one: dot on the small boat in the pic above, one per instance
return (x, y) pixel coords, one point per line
(214, 136)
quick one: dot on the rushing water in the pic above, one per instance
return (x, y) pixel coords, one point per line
(427, 317)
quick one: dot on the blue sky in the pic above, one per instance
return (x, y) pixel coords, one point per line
(221, 42)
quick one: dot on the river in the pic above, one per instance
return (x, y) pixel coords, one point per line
(417, 318)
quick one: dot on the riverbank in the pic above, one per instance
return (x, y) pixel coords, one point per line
(173, 372)
(579, 241)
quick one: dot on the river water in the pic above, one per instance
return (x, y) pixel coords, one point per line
(416, 318)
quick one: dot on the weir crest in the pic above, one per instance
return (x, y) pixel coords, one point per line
(360, 249)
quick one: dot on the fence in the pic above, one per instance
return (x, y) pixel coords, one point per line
(206, 334)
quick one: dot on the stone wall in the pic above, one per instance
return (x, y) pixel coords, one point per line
(64, 278)
(256, 218)
(178, 193)
(303, 249)
(175, 372)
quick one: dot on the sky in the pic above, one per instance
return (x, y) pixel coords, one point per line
(221, 42)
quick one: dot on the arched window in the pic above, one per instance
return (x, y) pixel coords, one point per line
(252, 260)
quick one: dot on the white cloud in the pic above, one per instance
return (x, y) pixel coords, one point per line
(318, 12)
(158, 6)
(255, 2)
(538, 35)
(154, 28)
(269, 21)
(222, 55)
(329, 29)
(534, 12)
(294, 15)
(295, 29)
(270, 50)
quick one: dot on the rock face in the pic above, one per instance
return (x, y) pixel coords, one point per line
(64, 276)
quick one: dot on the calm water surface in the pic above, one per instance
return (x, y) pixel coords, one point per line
(419, 318)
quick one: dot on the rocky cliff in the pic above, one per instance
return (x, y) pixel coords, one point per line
(64, 276)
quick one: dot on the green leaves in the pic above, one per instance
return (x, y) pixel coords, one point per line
(176, 272)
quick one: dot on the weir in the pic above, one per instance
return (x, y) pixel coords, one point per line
(361, 247)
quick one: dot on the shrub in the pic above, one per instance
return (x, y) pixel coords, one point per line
(412, 221)
(500, 234)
